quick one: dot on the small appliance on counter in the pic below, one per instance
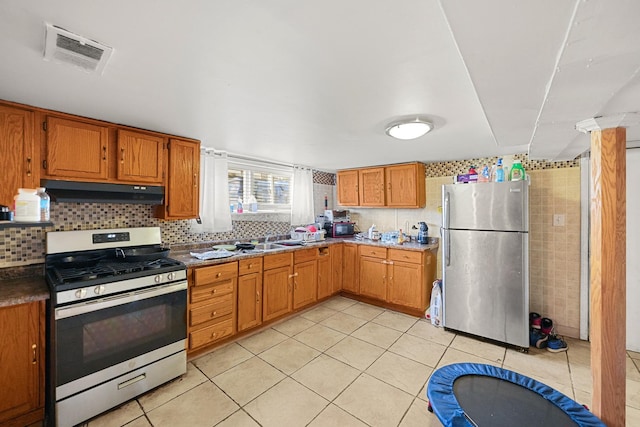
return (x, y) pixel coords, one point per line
(340, 229)
(423, 233)
(334, 215)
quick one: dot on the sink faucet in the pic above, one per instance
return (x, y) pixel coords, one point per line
(269, 235)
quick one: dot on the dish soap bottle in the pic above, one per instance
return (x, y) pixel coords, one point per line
(517, 172)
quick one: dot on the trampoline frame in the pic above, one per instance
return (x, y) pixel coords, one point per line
(443, 403)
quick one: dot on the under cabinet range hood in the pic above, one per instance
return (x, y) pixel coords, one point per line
(96, 192)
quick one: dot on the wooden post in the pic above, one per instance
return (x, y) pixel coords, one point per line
(608, 274)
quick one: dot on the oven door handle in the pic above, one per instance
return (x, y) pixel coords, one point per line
(113, 301)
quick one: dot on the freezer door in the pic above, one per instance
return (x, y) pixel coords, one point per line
(486, 206)
(486, 284)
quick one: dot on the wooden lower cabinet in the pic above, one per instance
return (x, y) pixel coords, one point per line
(397, 276)
(336, 267)
(277, 287)
(350, 268)
(249, 293)
(325, 273)
(212, 304)
(305, 283)
(373, 277)
(22, 359)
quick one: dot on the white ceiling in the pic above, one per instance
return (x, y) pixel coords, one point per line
(315, 83)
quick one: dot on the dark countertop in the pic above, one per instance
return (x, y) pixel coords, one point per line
(21, 290)
(184, 256)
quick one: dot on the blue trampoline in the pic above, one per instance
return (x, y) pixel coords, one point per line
(472, 394)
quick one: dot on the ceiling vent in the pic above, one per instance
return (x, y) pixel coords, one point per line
(68, 48)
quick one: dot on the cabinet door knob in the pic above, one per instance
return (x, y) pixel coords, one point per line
(35, 357)
(257, 296)
(28, 166)
(104, 152)
(122, 155)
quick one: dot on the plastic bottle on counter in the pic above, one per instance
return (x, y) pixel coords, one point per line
(27, 205)
(239, 208)
(253, 204)
(517, 172)
(45, 204)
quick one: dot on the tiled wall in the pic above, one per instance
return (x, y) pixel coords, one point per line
(26, 245)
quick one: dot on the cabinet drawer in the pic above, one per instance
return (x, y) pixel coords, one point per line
(302, 255)
(248, 266)
(219, 307)
(211, 333)
(202, 293)
(372, 251)
(277, 260)
(216, 273)
(406, 256)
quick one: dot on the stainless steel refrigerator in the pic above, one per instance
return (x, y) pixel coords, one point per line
(485, 237)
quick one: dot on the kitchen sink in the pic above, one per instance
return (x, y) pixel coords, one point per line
(269, 246)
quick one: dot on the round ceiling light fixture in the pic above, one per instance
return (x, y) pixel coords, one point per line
(409, 128)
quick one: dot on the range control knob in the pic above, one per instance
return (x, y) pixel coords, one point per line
(158, 278)
(171, 276)
(98, 289)
(81, 293)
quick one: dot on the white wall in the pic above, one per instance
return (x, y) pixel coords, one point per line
(633, 249)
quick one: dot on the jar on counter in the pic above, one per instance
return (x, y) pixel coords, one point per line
(27, 205)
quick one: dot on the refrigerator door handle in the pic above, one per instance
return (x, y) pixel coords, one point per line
(445, 217)
(447, 247)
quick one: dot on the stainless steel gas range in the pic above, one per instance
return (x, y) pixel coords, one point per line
(117, 319)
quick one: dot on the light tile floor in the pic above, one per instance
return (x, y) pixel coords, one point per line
(344, 363)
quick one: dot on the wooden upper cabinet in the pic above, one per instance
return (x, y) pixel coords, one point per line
(371, 187)
(17, 159)
(182, 189)
(394, 186)
(140, 157)
(347, 182)
(76, 149)
(405, 185)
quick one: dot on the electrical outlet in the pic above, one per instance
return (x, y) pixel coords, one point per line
(558, 220)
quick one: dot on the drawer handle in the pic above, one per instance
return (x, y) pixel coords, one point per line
(219, 274)
(250, 266)
(214, 291)
(213, 313)
(214, 334)
(131, 381)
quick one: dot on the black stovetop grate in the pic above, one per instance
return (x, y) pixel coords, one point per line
(106, 269)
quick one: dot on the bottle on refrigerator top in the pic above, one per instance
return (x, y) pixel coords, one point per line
(499, 171)
(483, 176)
(27, 205)
(492, 173)
(517, 172)
(45, 204)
